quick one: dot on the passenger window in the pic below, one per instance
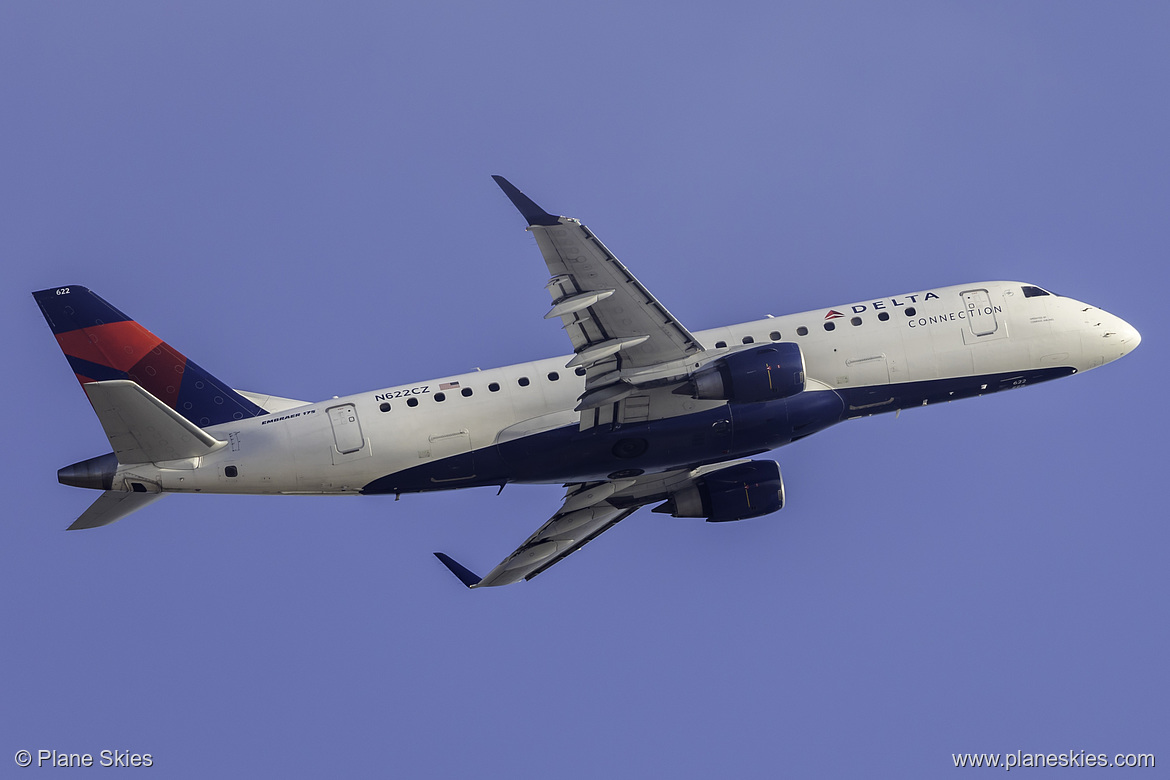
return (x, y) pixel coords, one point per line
(802, 331)
(910, 311)
(830, 325)
(494, 387)
(412, 401)
(883, 315)
(579, 371)
(385, 407)
(774, 335)
(553, 376)
(465, 392)
(522, 381)
(855, 321)
(748, 340)
(440, 396)
(720, 344)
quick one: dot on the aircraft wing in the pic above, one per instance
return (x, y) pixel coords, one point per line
(588, 510)
(613, 321)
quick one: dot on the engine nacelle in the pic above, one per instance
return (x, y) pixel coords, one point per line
(765, 373)
(734, 493)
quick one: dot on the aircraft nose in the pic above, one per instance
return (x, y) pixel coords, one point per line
(1127, 336)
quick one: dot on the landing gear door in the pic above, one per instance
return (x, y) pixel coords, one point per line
(980, 312)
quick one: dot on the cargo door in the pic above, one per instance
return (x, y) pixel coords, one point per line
(865, 385)
(865, 371)
(451, 455)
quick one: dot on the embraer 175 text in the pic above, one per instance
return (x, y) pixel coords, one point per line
(643, 412)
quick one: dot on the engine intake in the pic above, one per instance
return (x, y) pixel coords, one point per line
(765, 373)
(734, 493)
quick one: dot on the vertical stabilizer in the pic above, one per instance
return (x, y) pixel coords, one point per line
(101, 343)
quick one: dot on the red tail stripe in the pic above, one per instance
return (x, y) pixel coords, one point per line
(161, 374)
(119, 345)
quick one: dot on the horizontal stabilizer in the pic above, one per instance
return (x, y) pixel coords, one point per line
(141, 428)
(113, 505)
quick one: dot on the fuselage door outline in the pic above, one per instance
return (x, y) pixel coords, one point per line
(980, 313)
(347, 429)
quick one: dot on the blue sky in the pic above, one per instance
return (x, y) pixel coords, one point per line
(299, 198)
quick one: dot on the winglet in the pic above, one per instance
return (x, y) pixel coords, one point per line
(529, 210)
(465, 575)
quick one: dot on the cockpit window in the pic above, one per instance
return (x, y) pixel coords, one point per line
(1034, 292)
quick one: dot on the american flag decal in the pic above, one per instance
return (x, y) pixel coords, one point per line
(448, 385)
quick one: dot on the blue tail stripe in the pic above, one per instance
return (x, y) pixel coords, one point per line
(95, 371)
(204, 400)
(73, 307)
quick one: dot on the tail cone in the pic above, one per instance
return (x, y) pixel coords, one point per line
(95, 473)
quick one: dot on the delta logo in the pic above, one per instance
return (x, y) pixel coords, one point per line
(888, 303)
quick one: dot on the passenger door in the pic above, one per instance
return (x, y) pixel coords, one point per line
(980, 313)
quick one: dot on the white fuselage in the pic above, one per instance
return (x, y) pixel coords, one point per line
(877, 355)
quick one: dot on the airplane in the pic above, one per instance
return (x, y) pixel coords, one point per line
(642, 412)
